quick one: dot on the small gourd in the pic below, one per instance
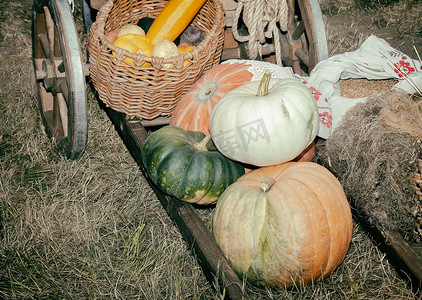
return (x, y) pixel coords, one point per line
(185, 48)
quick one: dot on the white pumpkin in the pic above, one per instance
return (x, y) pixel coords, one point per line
(266, 122)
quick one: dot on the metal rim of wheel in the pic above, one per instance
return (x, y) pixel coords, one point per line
(59, 76)
(305, 43)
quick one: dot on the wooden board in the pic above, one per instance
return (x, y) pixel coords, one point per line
(195, 233)
(399, 253)
(96, 4)
(230, 8)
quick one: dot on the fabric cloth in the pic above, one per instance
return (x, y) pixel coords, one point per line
(375, 59)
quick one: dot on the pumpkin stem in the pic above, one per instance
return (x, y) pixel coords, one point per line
(266, 183)
(202, 145)
(263, 85)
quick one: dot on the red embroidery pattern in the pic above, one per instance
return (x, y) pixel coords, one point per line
(326, 119)
(315, 93)
(403, 68)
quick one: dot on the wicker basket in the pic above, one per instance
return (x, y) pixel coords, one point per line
(149, 92)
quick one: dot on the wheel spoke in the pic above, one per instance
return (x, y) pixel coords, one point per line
(291, 13)
(50, 28)
(56, 43)
(45, 44)
(303, 57)
(64, 89)
(296, 67)
(299, 30)
(63, 113)
(57, 129)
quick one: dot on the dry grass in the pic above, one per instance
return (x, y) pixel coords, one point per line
(93, 228)
(350, 22)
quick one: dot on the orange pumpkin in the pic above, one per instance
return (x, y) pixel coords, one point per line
(285, 224)
(307, 154)
(193, 110)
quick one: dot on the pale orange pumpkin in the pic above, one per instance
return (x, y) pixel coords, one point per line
(284, 224)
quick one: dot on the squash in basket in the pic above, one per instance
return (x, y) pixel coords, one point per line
(185, 48)
(186, 165)
(134, 43)
(265, 123)
(165, 49)
(285, 224)
(131, 29)
(173, 19)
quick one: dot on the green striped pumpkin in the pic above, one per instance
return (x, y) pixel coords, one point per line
(187, 165)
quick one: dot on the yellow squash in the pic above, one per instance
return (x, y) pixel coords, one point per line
(134, 43)
(173, 19)
(184, 50)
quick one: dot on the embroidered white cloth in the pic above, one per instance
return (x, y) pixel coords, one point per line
(375, 59)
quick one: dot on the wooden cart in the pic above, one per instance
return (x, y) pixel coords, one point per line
(61, 73)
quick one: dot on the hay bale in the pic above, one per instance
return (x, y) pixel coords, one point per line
(373, 151)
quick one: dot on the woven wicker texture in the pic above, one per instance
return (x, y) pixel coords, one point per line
(149, 92)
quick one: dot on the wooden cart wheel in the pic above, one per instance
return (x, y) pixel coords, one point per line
(305, 43)
(59, 75)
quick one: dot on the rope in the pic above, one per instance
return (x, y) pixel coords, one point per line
(261, 17)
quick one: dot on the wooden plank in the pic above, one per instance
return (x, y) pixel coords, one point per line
(230, 15)
(411, 260)
(229, 41)
(196, 234)
(230, 10)
(229, 4)
(399, 252)
(96, 4)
